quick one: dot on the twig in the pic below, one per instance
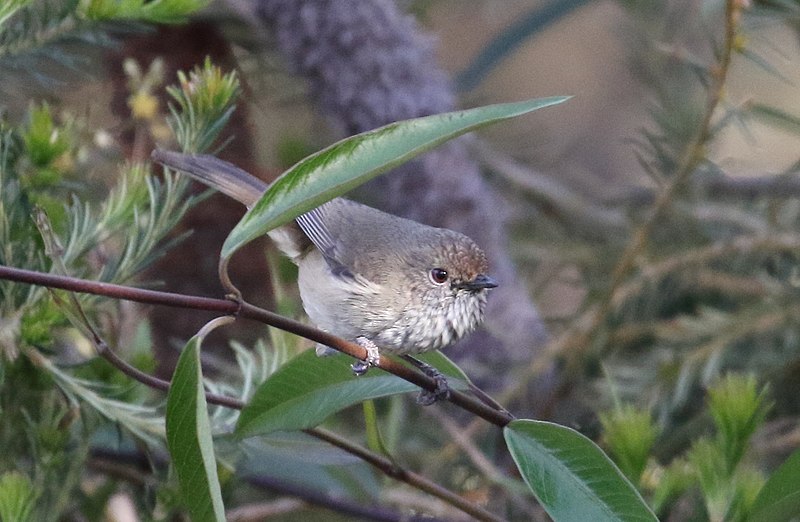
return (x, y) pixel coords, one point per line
(402, 474)
(366, 510)
(587, 216)
(247, 310)
(462, 439)
(264, 510)
(778, 186)
(114, 468)
(101, 457)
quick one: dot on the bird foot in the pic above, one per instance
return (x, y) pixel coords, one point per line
(373, 357)
(442, 391)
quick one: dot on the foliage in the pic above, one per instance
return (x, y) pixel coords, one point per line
(189, 436)
(46, 40)
(715, 467)
(343, 166)
(570, 476)
(62, 395)
(684, 283)
(629, 434)
(203, 106)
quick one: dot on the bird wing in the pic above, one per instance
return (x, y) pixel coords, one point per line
(315, 225)
(354, 238)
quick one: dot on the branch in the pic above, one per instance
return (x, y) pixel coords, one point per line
(246, 310)
(776, 186)
(385, 465)
(118, 464)
(497, 417)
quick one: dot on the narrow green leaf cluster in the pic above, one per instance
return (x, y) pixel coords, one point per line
(42, 340)
(17, 497)
(35, 35)
(205, 101)
(738, 408)
(629, 433)
(728, 486)
(44, 141)
(715, 467)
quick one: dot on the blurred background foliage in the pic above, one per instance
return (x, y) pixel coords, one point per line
(712, 290)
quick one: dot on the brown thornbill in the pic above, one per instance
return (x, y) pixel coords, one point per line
(391, 284)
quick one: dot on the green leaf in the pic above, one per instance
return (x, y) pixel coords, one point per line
(444, 364)
(572, 477)
(309, 389)
(189, 438)
(346, 164)
(373, 431)
(779, 499)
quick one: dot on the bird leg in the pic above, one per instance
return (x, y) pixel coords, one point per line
(442, 391)
(373, 356)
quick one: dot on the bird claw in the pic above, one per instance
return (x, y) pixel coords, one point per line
(373, 357)
(442, 391)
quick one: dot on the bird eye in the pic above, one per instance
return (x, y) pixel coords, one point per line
(438, 275)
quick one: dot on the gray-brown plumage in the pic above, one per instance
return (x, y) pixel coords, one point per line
(404, 286)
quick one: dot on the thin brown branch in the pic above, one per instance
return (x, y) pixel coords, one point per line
(385, 465)
(353, 509)
(721, 187)
(264, 510)
(137, 460)
(409, 477)
(246, 310)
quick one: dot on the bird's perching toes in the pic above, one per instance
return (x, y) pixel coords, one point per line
(373, 356)
(442, 391)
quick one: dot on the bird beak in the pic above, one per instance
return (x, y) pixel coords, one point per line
(479, 283)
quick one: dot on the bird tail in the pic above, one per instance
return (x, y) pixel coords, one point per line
(238, 184)
(215, 173)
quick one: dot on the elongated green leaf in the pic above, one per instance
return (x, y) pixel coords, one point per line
(308, 389)
(346, 164)
(572, 477)
(779, 498)
(189, 438)
(375, 440)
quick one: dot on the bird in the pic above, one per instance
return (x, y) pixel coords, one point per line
(390, 284)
